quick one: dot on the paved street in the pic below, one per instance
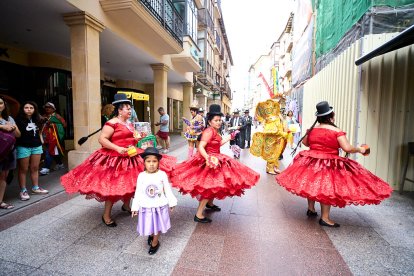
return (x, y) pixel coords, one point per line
(265, 232)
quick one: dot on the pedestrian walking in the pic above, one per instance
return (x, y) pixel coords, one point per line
(163, 137)
(248, 121)
(320, 174)
(110, 173)
(210, 175)
(29, 148)
(153, 200)
(8, 134)
(53, 134)
(195, 127)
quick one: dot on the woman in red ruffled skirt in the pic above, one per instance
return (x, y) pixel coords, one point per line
(110, 173)
(321, 175)
(210, 175)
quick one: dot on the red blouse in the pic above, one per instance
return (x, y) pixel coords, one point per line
(324, 140)
(213, 140)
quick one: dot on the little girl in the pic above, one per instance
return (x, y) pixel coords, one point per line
(153, 197)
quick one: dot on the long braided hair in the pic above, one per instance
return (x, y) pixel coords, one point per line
(326, 119)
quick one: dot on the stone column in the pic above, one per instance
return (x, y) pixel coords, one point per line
(187, 98)
(160, 89)
(86, 91)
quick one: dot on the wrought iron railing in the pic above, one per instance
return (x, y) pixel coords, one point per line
(165, 12)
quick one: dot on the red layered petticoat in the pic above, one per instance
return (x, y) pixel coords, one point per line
(105, 176)
(229, 179)
(332, 180)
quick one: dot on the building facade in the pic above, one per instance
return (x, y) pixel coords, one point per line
(78, 54)
(212, 81)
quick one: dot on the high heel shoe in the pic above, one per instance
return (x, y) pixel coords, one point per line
(310, 213)
(324, 223)
(111, 224)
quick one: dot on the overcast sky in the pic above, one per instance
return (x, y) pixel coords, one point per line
(252, 27)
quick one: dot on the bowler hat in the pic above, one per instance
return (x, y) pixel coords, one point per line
(246, 111)
(120, 98)
(323, 108)
(151, 151)
(201, 109)
(214, 109)
(236, 111)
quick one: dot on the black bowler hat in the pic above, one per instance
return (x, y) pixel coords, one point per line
(151, 151)
(120, 98)
(323, 108)
(214, 109)
(246, 111)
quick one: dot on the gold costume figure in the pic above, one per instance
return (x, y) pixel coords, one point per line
(270, 143)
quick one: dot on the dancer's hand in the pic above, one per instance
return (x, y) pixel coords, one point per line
(172, 209)
(364, 149)
(122, 150)
(134, 213)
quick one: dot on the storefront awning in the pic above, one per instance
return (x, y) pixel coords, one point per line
(135, 96)
(405, 38)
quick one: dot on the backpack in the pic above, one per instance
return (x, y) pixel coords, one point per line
(7, 141)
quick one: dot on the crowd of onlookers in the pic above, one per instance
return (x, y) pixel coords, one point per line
(25, 139)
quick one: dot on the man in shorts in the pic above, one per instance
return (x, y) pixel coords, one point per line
(163, 137)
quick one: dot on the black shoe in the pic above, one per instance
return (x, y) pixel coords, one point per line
(111, 224)
(154, 249)
(126, 210)
(324, 223)
(310, 213)
(150, 238)
(281, 157)
(203, 220)
(213, 208)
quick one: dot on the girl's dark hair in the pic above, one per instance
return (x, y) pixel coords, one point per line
(35, 117)
(5, 113)
(210, 117)
(320, 119)
(118, 106)
(195, 109)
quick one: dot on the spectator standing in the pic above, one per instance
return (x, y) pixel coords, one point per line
(248, 120)
(29, 148)
(106, 113)
(163, 135)
(53, 134)
(8, 126)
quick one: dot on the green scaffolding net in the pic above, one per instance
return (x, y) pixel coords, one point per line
(336, 17)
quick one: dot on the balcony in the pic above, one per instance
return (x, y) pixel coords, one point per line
(204, 20)
(188, 60)
(156, 24)
(165, 12)
(205, 75)
(217, 44)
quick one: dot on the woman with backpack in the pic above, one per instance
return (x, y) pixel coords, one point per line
(8, 133)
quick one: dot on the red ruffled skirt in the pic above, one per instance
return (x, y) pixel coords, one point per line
(104, 176)
(332, 180)
(229, 179)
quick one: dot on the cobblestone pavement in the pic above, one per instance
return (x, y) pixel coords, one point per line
(264, 232)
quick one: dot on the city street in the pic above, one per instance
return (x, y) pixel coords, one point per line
(265, 232)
